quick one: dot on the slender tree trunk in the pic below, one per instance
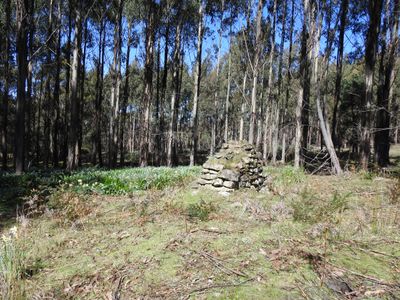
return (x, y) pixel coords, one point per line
(196, 92)
(56, 95)
(374, 11)
(215, 118)
(273, 102)
(7, 75)
(302, 98)
(74, 116)
(385, 90)
(288, 81)
(115, 90)
(148, 86)
(228, 90)
(21, 45)
(29, 101)
(174, 97)
(243, 108)
(339, 66)
(67, 86)
(256, 60)
(125, 97)
(48, 103)
(317, 84)
(81, 102)
(97, 145)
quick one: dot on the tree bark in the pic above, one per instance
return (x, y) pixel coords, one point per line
(256, 60)
(21, 46)
(385, 89)
(7, 75)
(56, 95)
(302, 98)
(215, 118)
(339, 66)
(115, 90)
(148, 85)
(288, 81)
(74, 116)
(125, 97)
(97, 144)
(171, 144)
(196, 92)
(374, 11)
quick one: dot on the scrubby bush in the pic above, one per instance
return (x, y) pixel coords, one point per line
(200, 210)
(312, 209)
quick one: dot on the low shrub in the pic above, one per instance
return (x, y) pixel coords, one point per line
(312, 209)
(200, 210)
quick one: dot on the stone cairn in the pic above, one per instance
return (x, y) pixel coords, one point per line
(236, 165)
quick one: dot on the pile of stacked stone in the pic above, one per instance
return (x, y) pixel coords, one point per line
(236, 165)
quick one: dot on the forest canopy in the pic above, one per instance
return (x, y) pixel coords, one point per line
(133, 82)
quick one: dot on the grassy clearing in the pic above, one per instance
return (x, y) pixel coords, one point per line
(312, 237)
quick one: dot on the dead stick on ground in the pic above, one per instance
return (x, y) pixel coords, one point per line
(218, 263)
(218, 286)
(370, 278)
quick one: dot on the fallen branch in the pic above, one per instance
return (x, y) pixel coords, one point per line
(221, 266)
(369, 278)
(219, 286)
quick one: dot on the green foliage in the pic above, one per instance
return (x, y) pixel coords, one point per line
(200, 210)
(312, 209)
(125, 181)
(367, 175)
(288, 175)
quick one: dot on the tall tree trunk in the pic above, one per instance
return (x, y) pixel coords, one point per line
(164, 79)
(339, 66)
(228, 94)
(174, 97)
(243, 108)
(115, 90)
(81, 101)
(48, 103)
(302, 98)
(273, 102)
(125, 97)
(21, 45)
(196, 92)
(317, 84)
(215, 117)
(56, 95)
(97, 145)
(255, 66)
(385, 90)
(374, 11)
(148, 85)
(67, 87)
(29, 100)
(288, 81)
(7, 75)
(74, 116)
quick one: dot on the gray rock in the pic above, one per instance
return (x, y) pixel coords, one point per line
(209, 177)
(230, 184)
(213, 166)
(229, 175)
(218, 182)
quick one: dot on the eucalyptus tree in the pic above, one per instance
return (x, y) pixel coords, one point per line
(374, 8)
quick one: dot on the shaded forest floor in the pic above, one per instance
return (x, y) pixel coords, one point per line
(146, 234)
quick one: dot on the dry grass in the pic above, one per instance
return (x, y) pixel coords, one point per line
(179, 244)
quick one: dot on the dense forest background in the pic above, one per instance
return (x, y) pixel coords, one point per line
(146, 82)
